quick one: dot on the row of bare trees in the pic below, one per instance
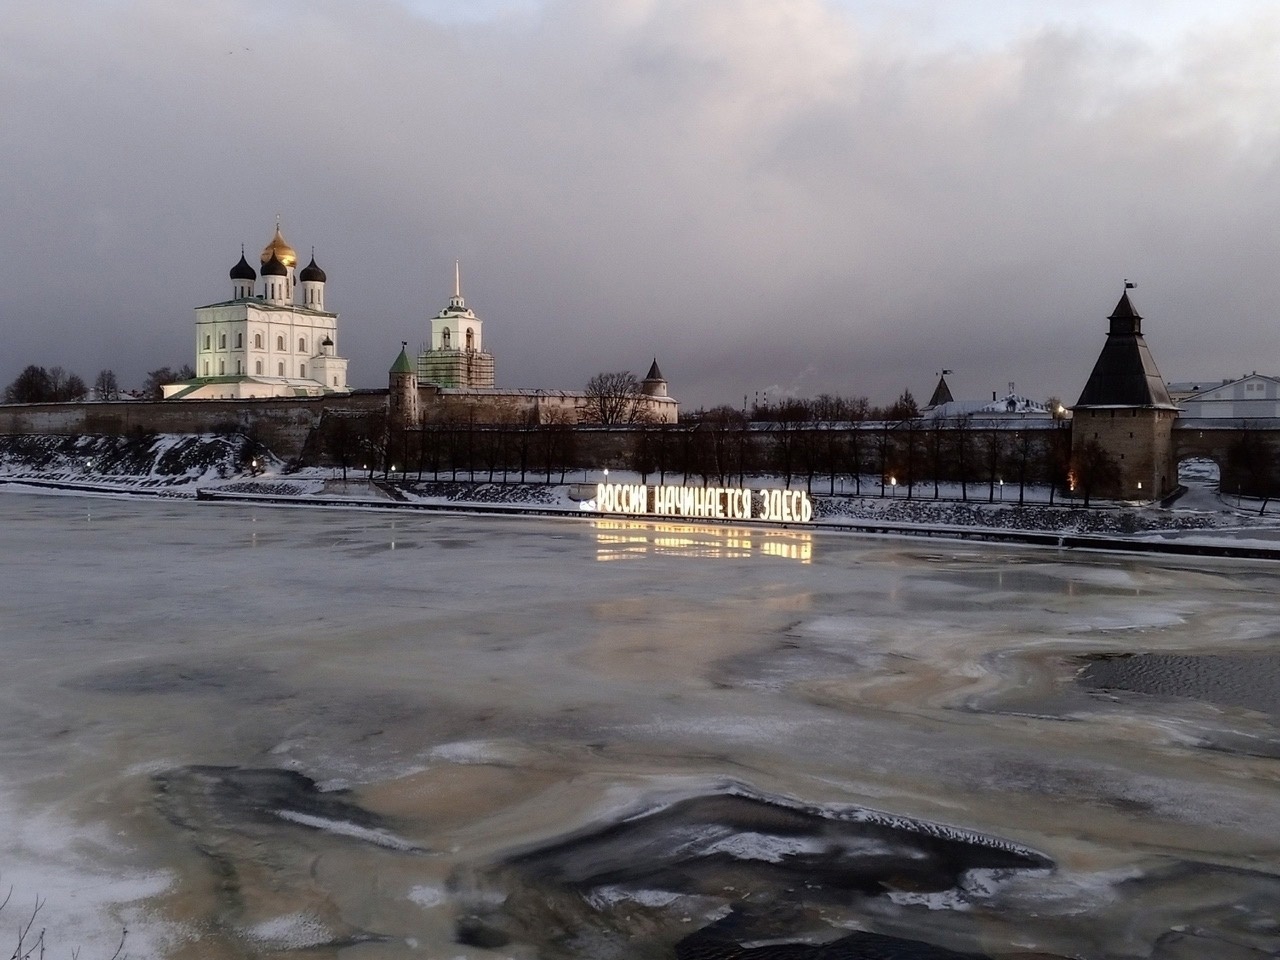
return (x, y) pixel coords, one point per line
(912, 458)
(36, 384)
(453, 443)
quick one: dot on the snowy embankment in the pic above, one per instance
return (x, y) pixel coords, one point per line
(163, 464)
(232, 464)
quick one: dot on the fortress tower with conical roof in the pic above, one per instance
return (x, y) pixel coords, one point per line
(1122, 427)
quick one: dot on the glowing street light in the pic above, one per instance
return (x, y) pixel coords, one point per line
(893, 487)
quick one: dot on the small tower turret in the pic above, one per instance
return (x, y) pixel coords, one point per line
(243, 278)
(311, 281)
(654, 384)
(275, 281)
(402, 393)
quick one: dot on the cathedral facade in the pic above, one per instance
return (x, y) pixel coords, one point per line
(273, 338)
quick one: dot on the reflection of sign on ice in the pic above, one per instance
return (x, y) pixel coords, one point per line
(629, 539)
(704, 503)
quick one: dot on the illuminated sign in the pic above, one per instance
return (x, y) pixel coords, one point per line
(704, 503)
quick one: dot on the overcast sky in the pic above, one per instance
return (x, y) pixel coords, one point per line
(792, 196)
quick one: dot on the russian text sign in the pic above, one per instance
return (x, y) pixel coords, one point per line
(703, 503)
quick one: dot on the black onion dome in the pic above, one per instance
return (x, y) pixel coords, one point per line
(326, 342)
(312, 272)
(242, 270)
(274, 268)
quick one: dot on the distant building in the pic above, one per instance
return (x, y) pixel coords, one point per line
(454, 375)
(1011, 406)
(275, 339)
(1255, 397)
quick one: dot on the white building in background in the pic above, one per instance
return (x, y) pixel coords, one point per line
(273, 338)
(1255, 397)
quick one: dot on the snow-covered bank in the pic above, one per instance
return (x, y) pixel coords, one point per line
(234, 465)
(176, 463)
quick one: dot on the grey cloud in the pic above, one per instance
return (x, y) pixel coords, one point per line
(759, 193)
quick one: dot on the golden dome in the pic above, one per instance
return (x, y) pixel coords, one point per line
(280, 249)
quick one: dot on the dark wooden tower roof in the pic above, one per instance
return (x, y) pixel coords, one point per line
(1125, 374)
(941, 394)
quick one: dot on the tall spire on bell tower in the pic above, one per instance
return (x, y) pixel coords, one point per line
(456, 302)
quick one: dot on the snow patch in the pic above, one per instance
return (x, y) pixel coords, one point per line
(345, 828)
(294, 931)
(76, 873)
(467, 751)
(765, 846)
(602, 898)
(427, 896)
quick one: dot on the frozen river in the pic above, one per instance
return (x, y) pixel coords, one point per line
(245, 731)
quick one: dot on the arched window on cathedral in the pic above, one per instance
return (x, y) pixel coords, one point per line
(279, 343)
(280, 369)
(257, 367)
(239, 367)
(444, 339)
(222, 341)
(302, 344)
(222, 367)
(239, 341)
(302, 369)
(208, 341)
(206, 368)
(471, 339)
(257, 343)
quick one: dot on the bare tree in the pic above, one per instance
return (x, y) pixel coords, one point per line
(613, 398)
(1094, 469)
(1251, 462)
(159, 377)
(30, 386)
(38, 385)
(106, 387)
(340, 439)
(66, 385)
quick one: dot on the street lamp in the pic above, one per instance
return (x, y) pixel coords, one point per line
(1002, 491)
(606, 474)
(893, 487)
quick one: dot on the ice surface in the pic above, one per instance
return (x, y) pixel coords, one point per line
(482, 684)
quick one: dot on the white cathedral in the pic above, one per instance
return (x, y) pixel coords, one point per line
(278, 341)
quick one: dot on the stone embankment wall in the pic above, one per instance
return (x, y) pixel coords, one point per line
(282, 424)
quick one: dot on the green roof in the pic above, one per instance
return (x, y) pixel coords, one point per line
(402, 364)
